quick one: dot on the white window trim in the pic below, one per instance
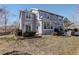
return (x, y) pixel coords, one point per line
(49, 26)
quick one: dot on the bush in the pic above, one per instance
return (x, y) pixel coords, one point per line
(58, 31)
(18, 32)
(73, 33)
(29, 34)
(75, 30)
(55, 33)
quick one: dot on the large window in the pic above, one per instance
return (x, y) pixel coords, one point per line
(48, 25)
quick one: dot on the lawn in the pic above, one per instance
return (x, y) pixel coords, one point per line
(47, 45)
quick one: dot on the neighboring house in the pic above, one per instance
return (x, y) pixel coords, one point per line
(40, 21)
(73, 26)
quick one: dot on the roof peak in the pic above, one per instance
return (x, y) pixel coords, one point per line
(45, 11)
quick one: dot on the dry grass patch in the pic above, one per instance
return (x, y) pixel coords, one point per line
(48, 44)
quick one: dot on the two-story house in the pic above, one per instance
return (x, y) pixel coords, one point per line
(40, 21)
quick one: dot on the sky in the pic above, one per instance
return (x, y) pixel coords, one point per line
(65, 10)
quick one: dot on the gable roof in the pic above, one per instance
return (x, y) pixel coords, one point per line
(46, 12)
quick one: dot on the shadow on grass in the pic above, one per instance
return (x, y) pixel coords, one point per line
(16, 53)
(22, 38)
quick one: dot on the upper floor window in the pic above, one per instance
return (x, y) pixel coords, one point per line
(44, 15)
(59, 17)
(28, 16)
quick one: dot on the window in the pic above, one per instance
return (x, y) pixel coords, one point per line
(56, 30)
(44, 15)
(47, 17)
(28, 28)
(37, 25)
(41, 15)
(59, 17)
(51, 27)
(47, 25)
(28, 16)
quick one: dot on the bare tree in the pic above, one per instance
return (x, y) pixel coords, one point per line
(4, 15)
(67, 22)
(16, 24)
(75, 15)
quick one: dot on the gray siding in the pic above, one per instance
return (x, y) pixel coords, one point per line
(38, 17)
